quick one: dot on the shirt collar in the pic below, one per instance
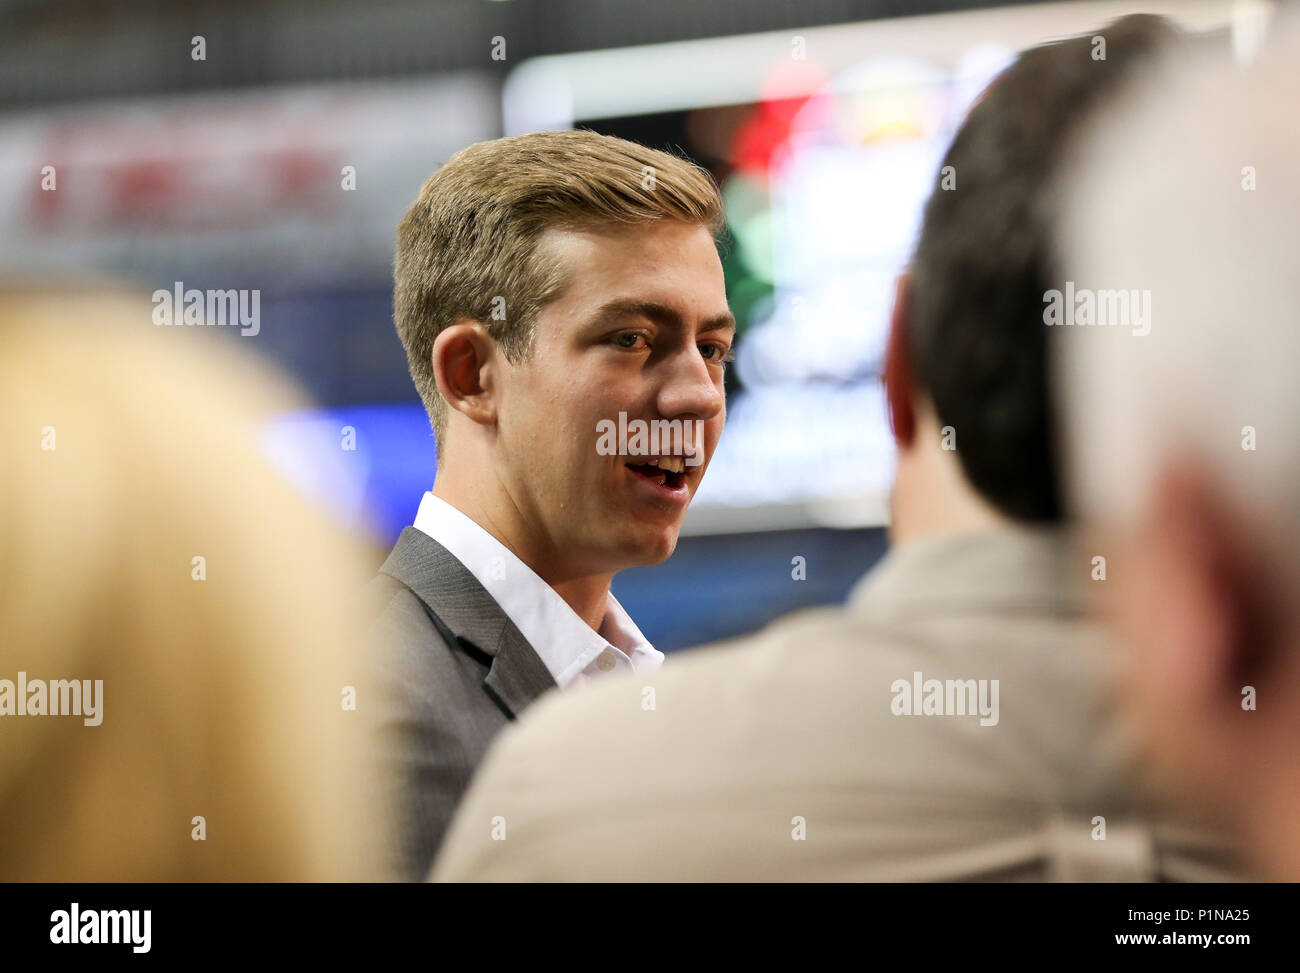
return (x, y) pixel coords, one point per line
(562, 640)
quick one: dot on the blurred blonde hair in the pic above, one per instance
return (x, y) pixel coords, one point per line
(221, 697)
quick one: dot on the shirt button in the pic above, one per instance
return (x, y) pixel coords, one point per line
(605, 661)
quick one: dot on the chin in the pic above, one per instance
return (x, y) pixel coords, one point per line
(651, 549)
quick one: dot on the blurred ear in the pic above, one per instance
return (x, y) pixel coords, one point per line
(465, 365)
(1208, 616)
(900, 384)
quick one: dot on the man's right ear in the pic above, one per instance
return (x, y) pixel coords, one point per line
(899, 378)
(465, 363)
(1220, 614)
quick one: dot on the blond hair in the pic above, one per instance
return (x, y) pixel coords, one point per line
(467, 247)
(130, 451)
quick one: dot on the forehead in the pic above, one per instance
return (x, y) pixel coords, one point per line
(664, 262)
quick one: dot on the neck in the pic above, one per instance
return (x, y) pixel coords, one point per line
(487, 502)
(931, 496)
(587, 596)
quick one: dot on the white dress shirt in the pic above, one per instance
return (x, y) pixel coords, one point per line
(571, 649)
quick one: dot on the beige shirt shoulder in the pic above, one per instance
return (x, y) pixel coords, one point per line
(790, 754)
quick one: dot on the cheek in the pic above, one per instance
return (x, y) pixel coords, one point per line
(1135, 624)
(713, 428)
(544, 402)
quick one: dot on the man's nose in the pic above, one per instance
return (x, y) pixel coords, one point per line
(690, 389)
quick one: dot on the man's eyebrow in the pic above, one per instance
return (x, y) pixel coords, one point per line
(722, 322)
(659, 313)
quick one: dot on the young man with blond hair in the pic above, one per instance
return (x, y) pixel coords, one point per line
(546, 286)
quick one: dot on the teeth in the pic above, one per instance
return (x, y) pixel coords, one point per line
(671, 464)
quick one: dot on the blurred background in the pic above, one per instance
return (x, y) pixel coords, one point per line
(273, 147)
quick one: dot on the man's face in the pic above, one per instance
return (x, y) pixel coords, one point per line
(642, 328)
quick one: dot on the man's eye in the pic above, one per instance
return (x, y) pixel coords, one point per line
(720, 353)
(630, 339)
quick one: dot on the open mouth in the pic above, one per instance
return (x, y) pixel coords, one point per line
(665, 471)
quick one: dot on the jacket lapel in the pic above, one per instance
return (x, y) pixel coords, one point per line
(516, 675)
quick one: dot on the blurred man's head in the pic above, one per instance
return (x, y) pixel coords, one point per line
(546, 283)
(1183, 446)
(966, 368)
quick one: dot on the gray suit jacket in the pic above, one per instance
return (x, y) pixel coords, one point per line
(449, 671)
